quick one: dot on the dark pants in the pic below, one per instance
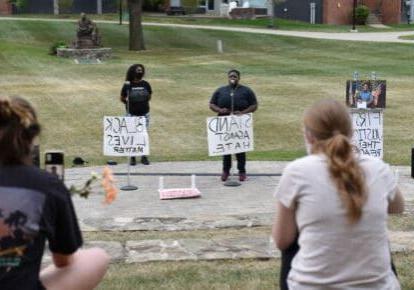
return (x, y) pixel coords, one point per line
(241, 162)
(286, 262)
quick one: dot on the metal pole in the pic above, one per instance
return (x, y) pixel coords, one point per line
(353, 14)
(129, 186)
(412, 162)
(120, 12)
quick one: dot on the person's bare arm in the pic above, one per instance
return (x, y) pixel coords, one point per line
(219, 110)
(61, 260)
(396, 205)
(284, 230)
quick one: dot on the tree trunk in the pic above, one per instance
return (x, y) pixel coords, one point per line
(136, 34)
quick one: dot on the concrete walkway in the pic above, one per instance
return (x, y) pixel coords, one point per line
(392, 37)
(249, 205)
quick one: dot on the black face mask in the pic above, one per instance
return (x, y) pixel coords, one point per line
(139, 75)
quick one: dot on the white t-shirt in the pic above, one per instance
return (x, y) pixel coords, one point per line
(334, 254)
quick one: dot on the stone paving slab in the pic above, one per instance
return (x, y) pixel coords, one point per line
(251, 204)
(244, 247)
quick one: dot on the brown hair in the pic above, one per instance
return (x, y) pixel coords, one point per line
(18, 128)
(329, 122)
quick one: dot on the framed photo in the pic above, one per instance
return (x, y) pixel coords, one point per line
(366, 94)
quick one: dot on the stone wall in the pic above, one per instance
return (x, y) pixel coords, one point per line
(5, 7)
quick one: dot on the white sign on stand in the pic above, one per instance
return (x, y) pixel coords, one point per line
(368, 131)
(125, 136)
(230, 134)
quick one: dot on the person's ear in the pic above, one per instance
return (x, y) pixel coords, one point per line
(309, 137)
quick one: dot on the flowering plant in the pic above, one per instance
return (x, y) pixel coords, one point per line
(108, 184)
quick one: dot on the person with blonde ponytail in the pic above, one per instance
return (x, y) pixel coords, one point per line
(36, 207)
(337, 203)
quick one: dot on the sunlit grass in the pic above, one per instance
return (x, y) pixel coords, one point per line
(184, 69)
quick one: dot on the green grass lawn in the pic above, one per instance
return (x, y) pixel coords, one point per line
(244, 274)
(260, 22)
(184, 69)
(239, 274)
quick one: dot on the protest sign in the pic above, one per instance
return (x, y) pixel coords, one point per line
(368, 131)
(230, 134)
(125, 136)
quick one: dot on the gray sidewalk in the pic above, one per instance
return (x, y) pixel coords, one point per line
(390, 37)
(220, 206)
(250, 204)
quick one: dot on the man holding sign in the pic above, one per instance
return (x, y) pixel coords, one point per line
(237, 99)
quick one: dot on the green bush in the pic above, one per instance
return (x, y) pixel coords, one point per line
(361, 14)
(21, 4)
(55, 46)
(65, 6)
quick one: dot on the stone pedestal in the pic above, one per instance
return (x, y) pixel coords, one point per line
(85, 53)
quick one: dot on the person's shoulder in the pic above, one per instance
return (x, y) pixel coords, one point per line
(45, 182)
(373, 163)
(247, 89)
(304, 163)
(221, 89)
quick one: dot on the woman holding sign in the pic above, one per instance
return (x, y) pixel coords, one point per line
(338, 203)
(233, 99)
(36, 207)
(136, 95)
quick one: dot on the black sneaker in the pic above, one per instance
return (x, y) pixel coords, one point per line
(144, 160)
(133, 161)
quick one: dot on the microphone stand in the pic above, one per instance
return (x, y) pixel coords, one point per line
(230, 182)
(129, 186)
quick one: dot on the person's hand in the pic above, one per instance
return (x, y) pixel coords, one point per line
(238, 113)
(224, 111)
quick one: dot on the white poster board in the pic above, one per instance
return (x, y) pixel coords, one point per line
(368, 131)
(125, 136)
(230, 134)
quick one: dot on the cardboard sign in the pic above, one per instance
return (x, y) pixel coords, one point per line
(125, 136)
(368, 131)
(230, 134)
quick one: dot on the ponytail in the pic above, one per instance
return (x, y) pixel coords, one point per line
(328, 121)
(347, 176)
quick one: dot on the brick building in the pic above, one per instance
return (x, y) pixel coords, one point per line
(5, 7)
(337, 11)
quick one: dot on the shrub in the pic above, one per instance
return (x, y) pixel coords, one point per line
(19, 3)
(361, 14)
(55, 46)
(65, 6)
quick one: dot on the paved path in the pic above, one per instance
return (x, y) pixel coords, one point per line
(248, 205)
(392, 37)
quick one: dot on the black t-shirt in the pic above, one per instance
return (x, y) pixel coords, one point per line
(243, 97)
(139, 96)
(35, 206)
